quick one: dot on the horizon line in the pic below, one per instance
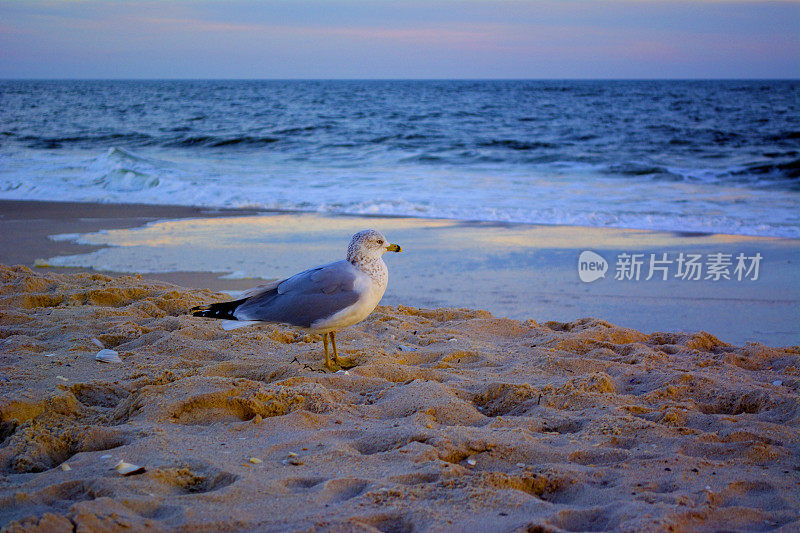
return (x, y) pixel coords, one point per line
(403, 79)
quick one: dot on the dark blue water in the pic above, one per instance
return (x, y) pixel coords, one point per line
(718, 156)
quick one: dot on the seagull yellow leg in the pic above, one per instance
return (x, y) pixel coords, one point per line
(325, 345)
(333, 342)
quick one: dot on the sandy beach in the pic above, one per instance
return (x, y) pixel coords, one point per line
(444, 419)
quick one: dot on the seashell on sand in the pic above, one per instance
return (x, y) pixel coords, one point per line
(293, 459)
(108, 356)
(128, 469)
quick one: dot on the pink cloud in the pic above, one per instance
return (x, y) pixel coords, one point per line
(447, 35)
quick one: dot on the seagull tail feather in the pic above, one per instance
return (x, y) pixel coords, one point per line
(223, 310)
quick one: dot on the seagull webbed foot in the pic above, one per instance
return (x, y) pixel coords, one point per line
(334, 363)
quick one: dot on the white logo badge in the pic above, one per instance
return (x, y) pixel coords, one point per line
(591, 266)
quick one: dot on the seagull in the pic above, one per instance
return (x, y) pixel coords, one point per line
(322, 299)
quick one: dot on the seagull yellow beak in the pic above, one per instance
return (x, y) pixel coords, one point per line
(394, 248)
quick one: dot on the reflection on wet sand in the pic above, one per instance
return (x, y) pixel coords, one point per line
(513, 270)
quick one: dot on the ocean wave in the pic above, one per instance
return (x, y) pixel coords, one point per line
(136, 139)
(49, 143)
(641, 169)
(302, 129)
(784, 136)
(789, 170)
(217, 142)
(115, 155)
(120, 170)
(383, 139)
(753, 174)
(514, 144)
(427, 158)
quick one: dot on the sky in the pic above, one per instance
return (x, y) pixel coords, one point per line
(326, 39)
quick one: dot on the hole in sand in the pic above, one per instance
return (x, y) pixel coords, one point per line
(733, 403)
(561, 425)
(549, 486)
(233, 410)
(6, 430)
(345, 489)
(388, 523)
(193, 479)
(501, 399)
(99, 394)
(67, 493)
(584, 520)
(302, 483)
(253, 372)
(36, 449)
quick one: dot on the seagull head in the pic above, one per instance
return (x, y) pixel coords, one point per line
(370, 243)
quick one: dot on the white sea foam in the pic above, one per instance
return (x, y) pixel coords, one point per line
(577, 195)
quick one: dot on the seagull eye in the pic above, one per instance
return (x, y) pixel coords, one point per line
(380, 241)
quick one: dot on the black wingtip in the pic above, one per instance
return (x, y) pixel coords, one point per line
(222, 310)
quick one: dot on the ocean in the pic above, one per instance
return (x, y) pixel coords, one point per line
(688, 156)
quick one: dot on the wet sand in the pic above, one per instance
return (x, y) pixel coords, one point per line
(26, 227)
(447, 420)
(512, 270)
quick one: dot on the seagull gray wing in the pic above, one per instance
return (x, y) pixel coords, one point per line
(305, 297)
(259, 289)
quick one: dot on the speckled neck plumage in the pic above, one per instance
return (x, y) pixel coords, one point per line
(374, 267)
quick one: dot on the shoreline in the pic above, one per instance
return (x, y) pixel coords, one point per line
(490, 258)
(27, 227)
(185, 211)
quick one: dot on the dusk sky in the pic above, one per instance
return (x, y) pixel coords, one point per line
(399, 39)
